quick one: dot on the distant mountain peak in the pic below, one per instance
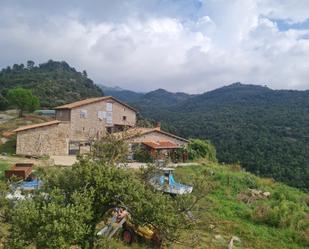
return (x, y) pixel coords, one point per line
(111, 88)
(158, 91)
(242, 85)
(166, 92)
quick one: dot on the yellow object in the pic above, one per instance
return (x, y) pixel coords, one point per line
(146, 232)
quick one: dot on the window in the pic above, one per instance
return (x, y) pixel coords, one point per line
(83, 113)
(109, 118)
(124, 118)
(109, 107)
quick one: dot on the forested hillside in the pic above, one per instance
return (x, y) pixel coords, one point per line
(55, 83)
(265, 130)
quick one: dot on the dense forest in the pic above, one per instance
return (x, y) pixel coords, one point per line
(264, 130)
(54, 82)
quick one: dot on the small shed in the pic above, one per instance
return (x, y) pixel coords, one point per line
(159, 143)
(21, 170)
(161, 149)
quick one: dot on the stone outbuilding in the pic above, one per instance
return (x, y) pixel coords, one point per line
(159, 143)
(49, 138)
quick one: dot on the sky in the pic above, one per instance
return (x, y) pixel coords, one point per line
(179, 45)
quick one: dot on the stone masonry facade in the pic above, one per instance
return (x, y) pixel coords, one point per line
(47, 140)
(91, 126)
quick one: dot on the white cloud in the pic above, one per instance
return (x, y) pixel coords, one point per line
(177, 46)
(292, 10)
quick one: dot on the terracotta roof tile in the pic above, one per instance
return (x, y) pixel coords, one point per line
(91, 101)
(28, 127)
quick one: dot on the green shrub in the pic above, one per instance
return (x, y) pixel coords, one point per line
(3, 166)
(9, 147)
(141, 154)
(284, 214)
(201, 149)
(287, 215)
(250, 181)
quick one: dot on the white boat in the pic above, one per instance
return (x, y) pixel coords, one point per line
(167, 184)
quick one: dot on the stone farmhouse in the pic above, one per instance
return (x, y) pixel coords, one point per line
(79, 124)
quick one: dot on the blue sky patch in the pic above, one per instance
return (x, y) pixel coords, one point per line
(285, 24)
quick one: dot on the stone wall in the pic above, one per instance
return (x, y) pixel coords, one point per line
(46, 140)
(120, 111)
(90, 126)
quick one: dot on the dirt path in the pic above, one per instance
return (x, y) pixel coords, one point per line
(64, 160)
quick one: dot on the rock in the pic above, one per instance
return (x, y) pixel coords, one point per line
(3, 140)
(266, 194)
(255, 191)
(231, 243)
(236, 238)
(211, 226)
(219, 238)
(252, 195)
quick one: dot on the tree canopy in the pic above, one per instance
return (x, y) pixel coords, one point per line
(54, 82)
(201, 149)
(23, 99)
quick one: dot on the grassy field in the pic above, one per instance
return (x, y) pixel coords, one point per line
(4, 165)
(280, 221)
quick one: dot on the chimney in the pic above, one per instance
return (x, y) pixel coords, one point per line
(158, 126)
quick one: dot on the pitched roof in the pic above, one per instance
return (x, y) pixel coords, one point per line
(161, 145)
(91, 101)
(28, 127)
(139, 131)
